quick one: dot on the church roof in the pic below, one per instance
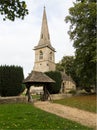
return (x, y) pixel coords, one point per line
(44, 36)
(65, 77)
(38, 77)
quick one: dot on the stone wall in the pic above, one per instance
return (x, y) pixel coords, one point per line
(13, 99)
(59, 96)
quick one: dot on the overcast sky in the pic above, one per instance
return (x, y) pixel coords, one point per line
(17, 39)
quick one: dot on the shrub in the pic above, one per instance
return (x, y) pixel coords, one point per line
(11, 80)
(72, 92)
(56, 76)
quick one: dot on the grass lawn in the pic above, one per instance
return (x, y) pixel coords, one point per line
(87, 103)
(37, 96)
(27, 117)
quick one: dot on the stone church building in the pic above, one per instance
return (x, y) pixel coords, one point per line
(44, 52)
(45, 55)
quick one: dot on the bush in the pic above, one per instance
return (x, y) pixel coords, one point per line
(72, 92)
(56, 76)
(11, 80)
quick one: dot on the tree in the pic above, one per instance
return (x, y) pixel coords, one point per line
(56, 76)
(12, 9)
(66, 64)
(11, 78)
(82, 18)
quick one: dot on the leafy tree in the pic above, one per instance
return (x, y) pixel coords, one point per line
(65, 64)
(83, 32)
(12, 9)
(59, 66)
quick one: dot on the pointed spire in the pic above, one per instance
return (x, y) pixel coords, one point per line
(44, 36)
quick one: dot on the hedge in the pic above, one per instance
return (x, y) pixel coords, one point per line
(54, 88)
(11, 78)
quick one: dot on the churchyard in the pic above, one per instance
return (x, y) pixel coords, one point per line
(73, 72)
(27, 116)
(86, 102)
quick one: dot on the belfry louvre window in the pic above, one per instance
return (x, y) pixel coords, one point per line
(41, 55)
(42, 36)
(51, 56)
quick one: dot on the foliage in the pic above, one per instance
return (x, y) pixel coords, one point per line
(27, 117)
(56, 76)
(83, 32)
(88, 0)
(73, 92)
(12, 9)
(11, 80)
(87, 102)
(65, 64)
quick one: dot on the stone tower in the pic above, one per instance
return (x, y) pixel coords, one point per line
(44, 52)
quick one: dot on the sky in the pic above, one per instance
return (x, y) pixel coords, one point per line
(18, 38)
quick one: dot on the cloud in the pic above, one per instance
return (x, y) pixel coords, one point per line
(17, 39)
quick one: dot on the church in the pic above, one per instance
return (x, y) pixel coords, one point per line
(44, 52)
(45, 57)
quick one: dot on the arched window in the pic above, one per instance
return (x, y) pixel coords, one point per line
(41, 55)
(42, 36)
(51, 56)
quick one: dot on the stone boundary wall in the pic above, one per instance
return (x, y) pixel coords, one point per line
(13, 99)
(59, 96)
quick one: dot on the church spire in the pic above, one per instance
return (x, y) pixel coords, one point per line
(44, 52)
(44, 36)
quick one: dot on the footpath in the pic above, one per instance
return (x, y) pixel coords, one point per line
(83, 117)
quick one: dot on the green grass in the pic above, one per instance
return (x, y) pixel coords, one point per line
(37, 96)
(87, 103)
(27, 117)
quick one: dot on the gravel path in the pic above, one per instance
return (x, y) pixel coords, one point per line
(83, 117)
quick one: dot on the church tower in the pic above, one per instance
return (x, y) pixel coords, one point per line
(44, 52)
